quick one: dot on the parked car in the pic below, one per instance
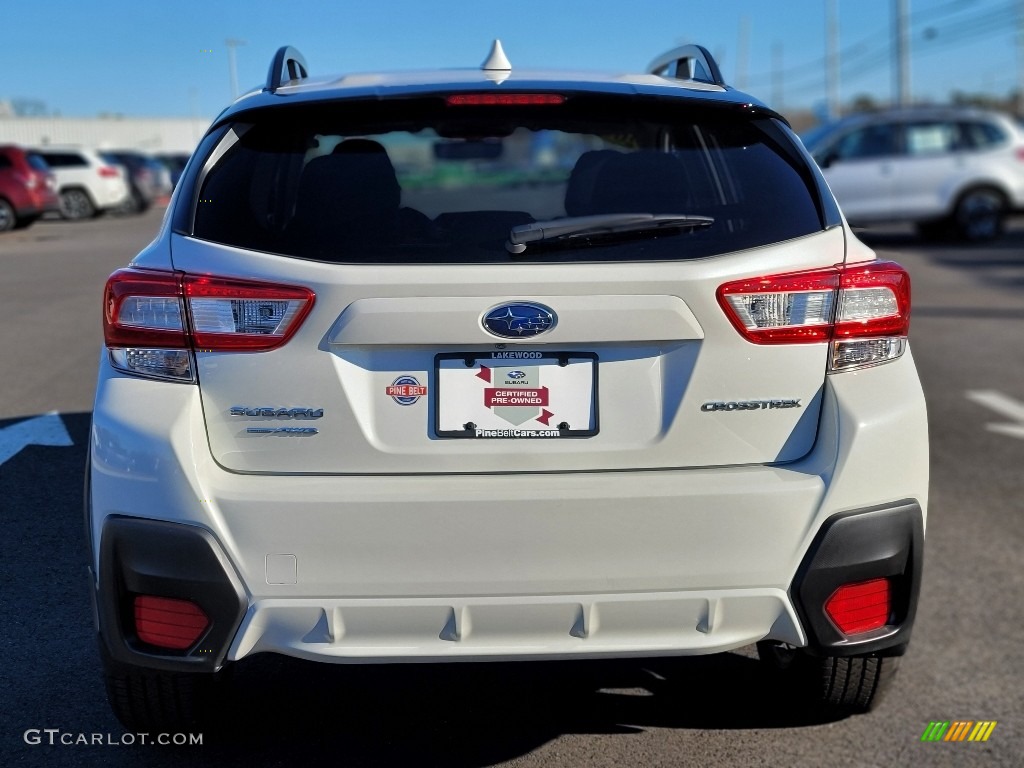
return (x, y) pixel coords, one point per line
(487, 365)
(148, 180)
(952, 172)
(175, 163)
(28, 188)
(88, 186)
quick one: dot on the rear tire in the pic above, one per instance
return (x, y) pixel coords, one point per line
(75, 204)
(147, 700)
(842, 685)
(979, 215)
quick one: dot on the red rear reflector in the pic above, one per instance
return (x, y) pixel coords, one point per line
(169, 623)
(107, 172)
(503, 99)
(861, 607)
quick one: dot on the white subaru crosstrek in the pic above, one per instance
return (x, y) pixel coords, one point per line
(491, 364)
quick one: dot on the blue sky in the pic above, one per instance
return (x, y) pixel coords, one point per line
(145, 58)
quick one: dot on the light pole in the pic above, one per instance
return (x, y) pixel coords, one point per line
(231, 44)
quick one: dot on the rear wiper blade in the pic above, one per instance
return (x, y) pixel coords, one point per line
(607, 223)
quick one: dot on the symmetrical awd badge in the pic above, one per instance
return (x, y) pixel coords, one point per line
(519, 320)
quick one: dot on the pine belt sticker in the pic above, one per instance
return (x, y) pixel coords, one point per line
(406, 390)
(515, 394)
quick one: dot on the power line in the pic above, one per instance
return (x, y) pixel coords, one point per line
(872, 52)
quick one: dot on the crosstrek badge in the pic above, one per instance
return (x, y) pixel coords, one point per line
(406, 390)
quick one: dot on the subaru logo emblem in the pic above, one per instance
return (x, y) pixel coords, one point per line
(516, 375)
(519, 321)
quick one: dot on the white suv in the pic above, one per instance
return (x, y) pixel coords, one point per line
(87, 185)
(486, 365)
(952, 172)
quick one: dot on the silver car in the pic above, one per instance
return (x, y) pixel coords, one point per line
(952, 172)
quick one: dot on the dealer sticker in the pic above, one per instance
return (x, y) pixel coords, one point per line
(406, 390)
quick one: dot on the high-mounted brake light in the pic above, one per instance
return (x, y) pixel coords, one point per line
(153, 321)
(504, 99)
(862, 309)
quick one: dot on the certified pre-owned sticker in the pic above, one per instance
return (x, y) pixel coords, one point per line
(406, 390)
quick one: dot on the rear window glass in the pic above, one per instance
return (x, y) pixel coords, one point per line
(420, 181)
(64, 159)
(980, 135)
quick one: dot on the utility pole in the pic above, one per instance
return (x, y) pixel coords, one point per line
(901, 47)
(742, 57)
(231, 44)
(832, 58)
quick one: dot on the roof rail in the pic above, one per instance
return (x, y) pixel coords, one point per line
(290, 58)
(688, 62)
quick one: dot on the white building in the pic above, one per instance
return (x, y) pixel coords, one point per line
(148, 134)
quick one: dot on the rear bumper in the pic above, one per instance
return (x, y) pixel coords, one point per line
(559, 565)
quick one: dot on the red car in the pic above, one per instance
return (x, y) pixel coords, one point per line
(28, 188)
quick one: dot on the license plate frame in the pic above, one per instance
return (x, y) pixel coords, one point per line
(515, 395)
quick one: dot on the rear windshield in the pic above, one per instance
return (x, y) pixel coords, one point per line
(419, 180)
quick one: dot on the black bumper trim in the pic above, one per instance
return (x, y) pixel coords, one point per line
(172, 560)
(885, 541)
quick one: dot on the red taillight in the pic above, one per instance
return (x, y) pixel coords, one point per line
(242, 315)
(503, 99)
(108, 172)
(868, 302)
(153, 320)
(782, 309)
(143, 308)
(1019, 153)
(874, 300)
(169, 623)
(861, 607)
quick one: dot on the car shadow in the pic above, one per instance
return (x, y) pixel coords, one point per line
(477, 714)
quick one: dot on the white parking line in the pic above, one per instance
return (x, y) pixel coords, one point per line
(47, 429)
(1005, 406)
